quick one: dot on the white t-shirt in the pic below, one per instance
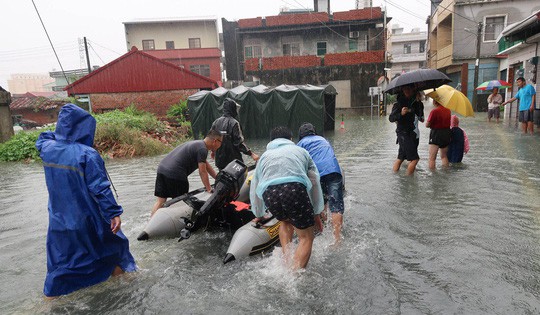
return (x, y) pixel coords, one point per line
(494, 101)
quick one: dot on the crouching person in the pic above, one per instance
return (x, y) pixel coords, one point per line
(85, 245)
(286, 182)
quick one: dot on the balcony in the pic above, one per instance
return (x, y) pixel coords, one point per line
(444, 56)
(337, 59)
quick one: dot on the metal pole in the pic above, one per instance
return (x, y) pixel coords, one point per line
(87, 57)
(477, 66)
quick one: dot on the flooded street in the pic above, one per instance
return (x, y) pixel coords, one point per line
(465, 240)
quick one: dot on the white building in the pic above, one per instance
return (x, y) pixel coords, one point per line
(407, 51)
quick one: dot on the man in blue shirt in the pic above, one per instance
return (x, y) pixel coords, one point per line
(324, 157)
(527, 99)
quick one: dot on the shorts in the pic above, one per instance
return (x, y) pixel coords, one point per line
(494, 112)
(440, 137)
(408, 150)
(290, 202)
(525, 116)
(537, 117)
(332, 187)
(168, 187)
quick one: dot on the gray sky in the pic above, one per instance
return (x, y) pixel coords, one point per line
(24, 46)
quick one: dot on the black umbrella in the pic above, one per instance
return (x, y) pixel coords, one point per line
(422, 79)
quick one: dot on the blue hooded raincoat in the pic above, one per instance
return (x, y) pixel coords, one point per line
(81, 248)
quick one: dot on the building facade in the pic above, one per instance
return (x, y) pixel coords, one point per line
(20, 83)
(345, 49)
(191, 42)
(518, 50)
(455, 26)
(406, 51)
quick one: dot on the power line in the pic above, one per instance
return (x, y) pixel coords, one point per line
(52, 46)
(91, 41)
(96, 53)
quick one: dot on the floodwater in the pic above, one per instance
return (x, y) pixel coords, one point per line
(465, 240)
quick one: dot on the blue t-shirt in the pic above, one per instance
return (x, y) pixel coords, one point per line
(524, 95)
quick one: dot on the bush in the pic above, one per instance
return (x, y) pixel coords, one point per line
(131, 117)
(117, 140)
(22, 146)
(178, 111)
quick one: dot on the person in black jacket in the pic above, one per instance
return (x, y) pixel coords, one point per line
(233, 140)
(403, 114)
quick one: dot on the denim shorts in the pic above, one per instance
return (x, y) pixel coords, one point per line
(332, 187)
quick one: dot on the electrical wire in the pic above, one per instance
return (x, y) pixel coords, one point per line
(93, 42)
(52, 46)
(96, 53)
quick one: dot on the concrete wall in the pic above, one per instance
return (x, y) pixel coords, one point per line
(343, 88)
(179, 32)
(272, 43)
(6, 125)
(361, 77)
(40, 117)
(465, 43)
(157, 102)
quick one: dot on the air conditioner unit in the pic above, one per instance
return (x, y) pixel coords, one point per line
(354, 34)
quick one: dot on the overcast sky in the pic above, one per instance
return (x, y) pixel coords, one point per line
(24, 47)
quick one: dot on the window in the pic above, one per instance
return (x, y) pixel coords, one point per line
(353, 45)
(201, 69)
(253, 51)
(321, 48)
(148, 44)
(493, 26)
(169, 44)
(194, 43)
(291, 49)
(422, 46)
(407, 48)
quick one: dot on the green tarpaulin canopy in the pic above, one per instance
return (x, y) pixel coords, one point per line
(264, 108)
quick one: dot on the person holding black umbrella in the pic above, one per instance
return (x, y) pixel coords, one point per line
(404, 112)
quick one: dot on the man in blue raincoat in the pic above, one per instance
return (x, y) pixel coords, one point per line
(85, 245)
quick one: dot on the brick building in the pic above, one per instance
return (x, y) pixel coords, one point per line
(345, 49)
(138, 78)
(33, 110)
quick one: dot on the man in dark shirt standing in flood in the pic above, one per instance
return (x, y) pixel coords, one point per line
(174, 169)
(403, 114)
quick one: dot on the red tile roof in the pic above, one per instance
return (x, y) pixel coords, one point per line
(312, 18)
(39, 103)
(361, 14)
(297, 19)
(248, 23)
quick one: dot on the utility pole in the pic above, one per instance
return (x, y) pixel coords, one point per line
(87, 57)
(477, 66)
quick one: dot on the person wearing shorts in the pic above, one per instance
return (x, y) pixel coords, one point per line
(439, 136)
(527, 100)
(174, 169)
(494, 101)
(324, 157)
(404, 113)
(287, 184)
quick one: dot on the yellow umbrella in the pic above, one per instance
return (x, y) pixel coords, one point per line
(452, 99)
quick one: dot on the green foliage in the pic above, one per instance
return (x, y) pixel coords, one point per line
(178, 111)
(126, 141)
(22, 146)
(131, 117)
